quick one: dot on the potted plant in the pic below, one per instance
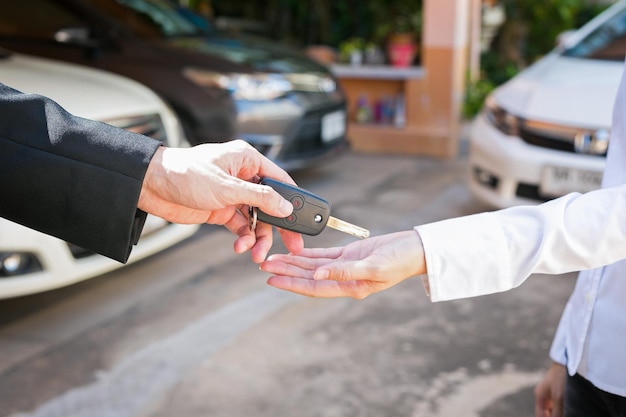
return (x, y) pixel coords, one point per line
(400, 30)
(402, 43)
(351, 50)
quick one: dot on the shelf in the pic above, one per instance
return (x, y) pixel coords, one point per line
(377, 72)
(375, 138)
(427, 130)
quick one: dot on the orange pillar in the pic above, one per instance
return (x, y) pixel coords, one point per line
(445, 58)
(433, 92)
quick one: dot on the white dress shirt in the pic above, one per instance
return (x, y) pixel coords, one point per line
(491, 252)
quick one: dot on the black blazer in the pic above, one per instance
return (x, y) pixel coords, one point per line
(76, 179)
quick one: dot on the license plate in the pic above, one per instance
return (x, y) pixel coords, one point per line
(559, 181)
(333, 125)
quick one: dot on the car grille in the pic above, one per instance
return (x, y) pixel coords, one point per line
(307, 138)
(148, 125)
(555, 137)
(546, 141)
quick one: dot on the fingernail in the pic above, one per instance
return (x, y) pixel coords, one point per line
(321, 274)
(285, 208)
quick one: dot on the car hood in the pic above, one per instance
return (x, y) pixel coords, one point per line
(85, 92)
(562, 90)
(252, 53)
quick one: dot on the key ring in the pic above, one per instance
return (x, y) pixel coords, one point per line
(252, 218)
(252, 211)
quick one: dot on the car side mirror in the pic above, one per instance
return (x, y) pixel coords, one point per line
(563, 39)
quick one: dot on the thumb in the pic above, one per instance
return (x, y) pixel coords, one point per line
(266, 199)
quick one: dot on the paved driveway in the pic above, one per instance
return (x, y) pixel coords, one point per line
(196, 332)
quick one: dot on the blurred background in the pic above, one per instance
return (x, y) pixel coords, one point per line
(398, 112)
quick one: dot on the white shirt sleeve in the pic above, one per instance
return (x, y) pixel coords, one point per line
(492, 252)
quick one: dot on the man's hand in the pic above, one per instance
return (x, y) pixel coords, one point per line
(215, 183)
(356, 270)
(550, 392)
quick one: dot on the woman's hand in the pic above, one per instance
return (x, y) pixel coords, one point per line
(356, 270)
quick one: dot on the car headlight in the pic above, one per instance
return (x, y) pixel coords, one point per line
(255, 87)
(501, 119)
(18, 263)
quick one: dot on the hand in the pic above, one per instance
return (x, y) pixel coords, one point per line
(356, 270)
(550, 392)
(214, 183)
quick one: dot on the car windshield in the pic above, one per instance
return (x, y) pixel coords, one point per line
(155, 17)
(606, 42)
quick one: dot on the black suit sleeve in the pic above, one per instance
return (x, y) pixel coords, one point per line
(69, 177)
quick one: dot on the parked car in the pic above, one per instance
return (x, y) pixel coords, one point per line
(545, 133)
(222, 85)
(31, 261)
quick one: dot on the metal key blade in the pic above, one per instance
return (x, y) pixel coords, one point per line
(348, 228)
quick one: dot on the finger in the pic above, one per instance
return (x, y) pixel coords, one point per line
(306, 287)
(307, 257)
(265, 198)
(345, 271)
(322, 289)
(327, 253)
(557, 409)
(286, 269)
(293, 241)
(540, 411)
(263, 243)
(238, 224)
(258, 242)
(257, 195)
(541, 406)
(300, 261)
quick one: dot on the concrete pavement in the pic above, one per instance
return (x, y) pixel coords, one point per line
(196, 332)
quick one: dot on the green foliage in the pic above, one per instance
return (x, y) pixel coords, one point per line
(350, 46)
(530, 31)
(541, 21)
(326, 22)
(475, 94)
(397, 16)
(477, 91)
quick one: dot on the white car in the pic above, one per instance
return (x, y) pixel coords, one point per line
(32, 262)
(545, 133)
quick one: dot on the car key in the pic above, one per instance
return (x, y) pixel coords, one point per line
(311, 213)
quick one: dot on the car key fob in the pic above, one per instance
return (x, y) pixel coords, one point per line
(310, 212)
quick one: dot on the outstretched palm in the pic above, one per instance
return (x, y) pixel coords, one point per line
(356, 270)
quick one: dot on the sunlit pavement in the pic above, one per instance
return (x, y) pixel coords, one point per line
(196, 332)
